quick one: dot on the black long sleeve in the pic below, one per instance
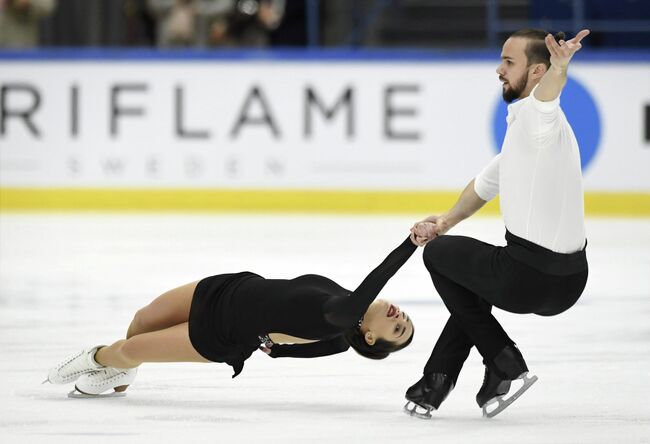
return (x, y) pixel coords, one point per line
(345, 312)
(310, 350)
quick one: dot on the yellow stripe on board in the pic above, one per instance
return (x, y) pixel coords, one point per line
(423, 202)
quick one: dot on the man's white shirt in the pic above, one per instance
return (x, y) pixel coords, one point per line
(538, 177)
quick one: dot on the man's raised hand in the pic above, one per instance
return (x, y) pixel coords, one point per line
(562, 52)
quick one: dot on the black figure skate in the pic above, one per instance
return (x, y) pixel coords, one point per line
(506, 367)
(427, 394)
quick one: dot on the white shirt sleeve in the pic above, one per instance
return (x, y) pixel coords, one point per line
(486, 184)
(542, 117)
(545, 107)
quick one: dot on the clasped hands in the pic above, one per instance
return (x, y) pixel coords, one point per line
(428, 229)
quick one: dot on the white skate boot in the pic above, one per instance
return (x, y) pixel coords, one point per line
(94, 384)
(74, 366)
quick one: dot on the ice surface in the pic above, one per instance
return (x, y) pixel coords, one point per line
(73, 280)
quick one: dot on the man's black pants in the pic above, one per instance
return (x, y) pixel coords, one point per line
(472, 276)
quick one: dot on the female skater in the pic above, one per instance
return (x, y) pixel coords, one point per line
(225, 318)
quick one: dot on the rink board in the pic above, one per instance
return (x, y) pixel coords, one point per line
(246, 131)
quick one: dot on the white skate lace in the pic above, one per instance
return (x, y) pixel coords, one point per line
(76, 365)
(106, 375)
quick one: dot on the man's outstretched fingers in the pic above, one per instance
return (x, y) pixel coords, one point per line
(581, 35)
(551, 45)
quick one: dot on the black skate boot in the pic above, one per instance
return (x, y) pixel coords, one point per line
(493, 386)
(428, 393)
(507, 366)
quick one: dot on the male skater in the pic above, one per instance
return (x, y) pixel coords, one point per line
(543, 268)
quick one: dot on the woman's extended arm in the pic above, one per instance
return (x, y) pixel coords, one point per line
(310, 350)
(345, 312)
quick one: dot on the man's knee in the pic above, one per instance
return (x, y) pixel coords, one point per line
(429, 254)
(434, 251)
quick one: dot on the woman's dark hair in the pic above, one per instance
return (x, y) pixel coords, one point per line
(536, 50)
(381, 348)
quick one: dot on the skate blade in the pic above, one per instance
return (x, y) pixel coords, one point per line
(78, 395)
(413, 411)
(505, 403)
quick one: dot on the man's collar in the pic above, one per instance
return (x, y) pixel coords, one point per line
(513, 108)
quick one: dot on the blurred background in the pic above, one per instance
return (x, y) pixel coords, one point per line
(314, 23)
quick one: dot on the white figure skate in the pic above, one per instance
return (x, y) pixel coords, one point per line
(74, 367)
(95, 384)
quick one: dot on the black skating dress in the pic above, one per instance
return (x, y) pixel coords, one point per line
(232, 313)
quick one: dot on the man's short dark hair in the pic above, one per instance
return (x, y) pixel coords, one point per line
(536, 50)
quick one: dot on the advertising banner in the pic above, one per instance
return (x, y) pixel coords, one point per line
(296, 125)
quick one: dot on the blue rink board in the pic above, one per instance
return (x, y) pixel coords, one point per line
(302, 55)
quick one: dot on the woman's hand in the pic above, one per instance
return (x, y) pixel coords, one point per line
(422, 232)
(428, 229)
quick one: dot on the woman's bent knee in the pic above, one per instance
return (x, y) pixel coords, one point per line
(138, 324)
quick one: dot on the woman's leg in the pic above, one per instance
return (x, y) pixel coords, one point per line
(168, 345)
(169, 309)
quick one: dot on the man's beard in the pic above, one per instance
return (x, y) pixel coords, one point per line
(516, 89)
